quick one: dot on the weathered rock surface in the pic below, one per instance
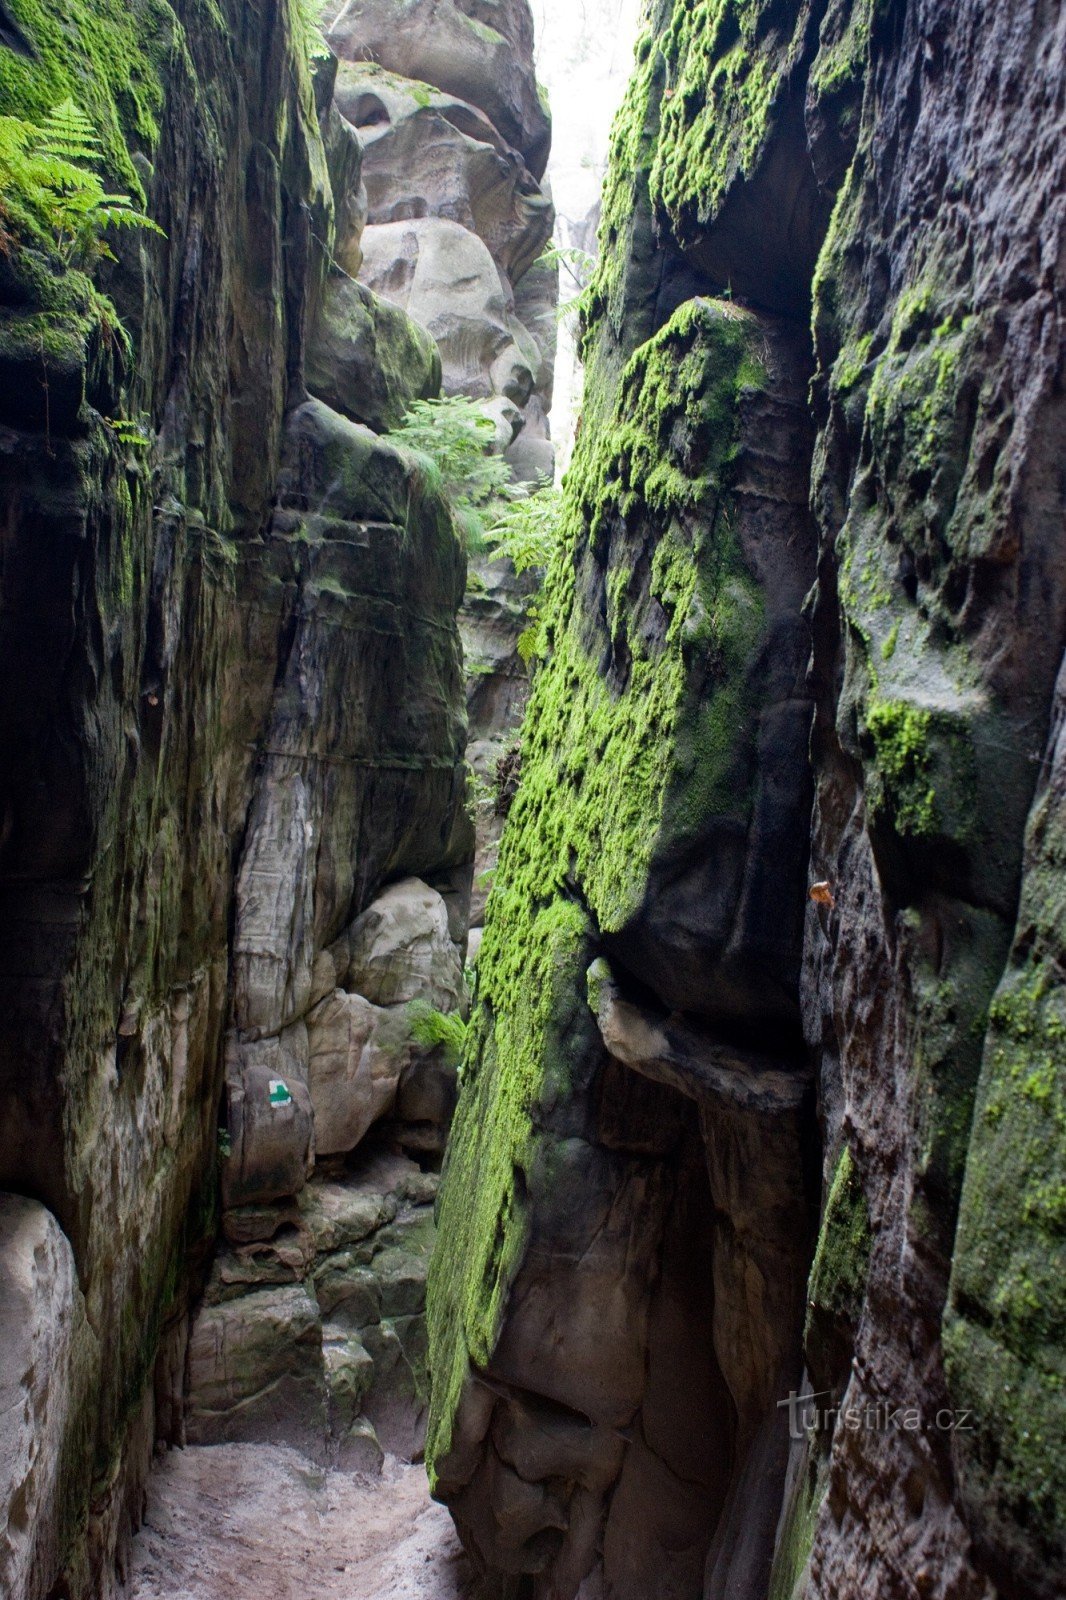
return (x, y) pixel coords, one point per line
(654, 986)
(315, 1337)
(427, 154)
(445, 278)
(455, 141)
(45, 1348)
(443, 44)
(231, 712)
(256, 1372)
(655, 1235)
(365, 359)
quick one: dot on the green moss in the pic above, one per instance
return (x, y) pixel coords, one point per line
(726, 63)
(837, 1284)
(632, 150)
(901, 749)
(109, 56)
(912, 409)
(483, 31)
(923, 777)
(836, 1288)
(614, 758)
(844, 45)
(1005, 1329)
(788, 1576)
(515, 1054)
(852, 363)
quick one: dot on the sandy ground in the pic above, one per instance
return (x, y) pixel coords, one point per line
(261, 1522)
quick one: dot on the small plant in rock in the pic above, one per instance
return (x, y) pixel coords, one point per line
(443, 1030)
(508, 777)
(455, 437)
(133, 433)
(528, 530)
(52, 188)
(528, 527)
(307, 30)
(578, 266)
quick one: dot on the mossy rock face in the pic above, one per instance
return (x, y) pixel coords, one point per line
(674, 645)
(837, 1283)
(936, 401)
(147, 601)
(111, 59)
(1004, 1328)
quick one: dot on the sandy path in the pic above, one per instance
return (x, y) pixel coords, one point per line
(260, 1522)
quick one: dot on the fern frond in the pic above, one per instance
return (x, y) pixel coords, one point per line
(68, 133)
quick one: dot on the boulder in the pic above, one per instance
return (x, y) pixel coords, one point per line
(341, 1214)
(41, 1316)
(438, 42)
(366, 358)
(444, 276)
(426, 153)
(269, 1118)
(531, 454)
(349, 1374)
(256, 1372)
(357, 1053)
(400, 950)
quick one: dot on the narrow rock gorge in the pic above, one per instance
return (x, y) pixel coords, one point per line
(602, 1033)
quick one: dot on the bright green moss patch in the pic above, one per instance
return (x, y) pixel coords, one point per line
(516, 1052)
(109, 56)
(726, 62)
(844, 45)
(628, 752)
(632, 150)
(901, 748)
(923, 778)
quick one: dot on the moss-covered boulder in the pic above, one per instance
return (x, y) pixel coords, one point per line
(366, 358)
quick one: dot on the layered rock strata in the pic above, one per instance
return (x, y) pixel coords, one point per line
(648, 1266)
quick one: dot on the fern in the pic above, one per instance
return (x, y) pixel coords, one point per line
(69, 136)
(52, 189)
(528, 527)
(307, 28)
(455, 438)
(579, 267)
(134, 433)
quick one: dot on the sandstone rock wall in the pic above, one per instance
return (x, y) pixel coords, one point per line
(724, 1139)
(231, 708)
(455, 140)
